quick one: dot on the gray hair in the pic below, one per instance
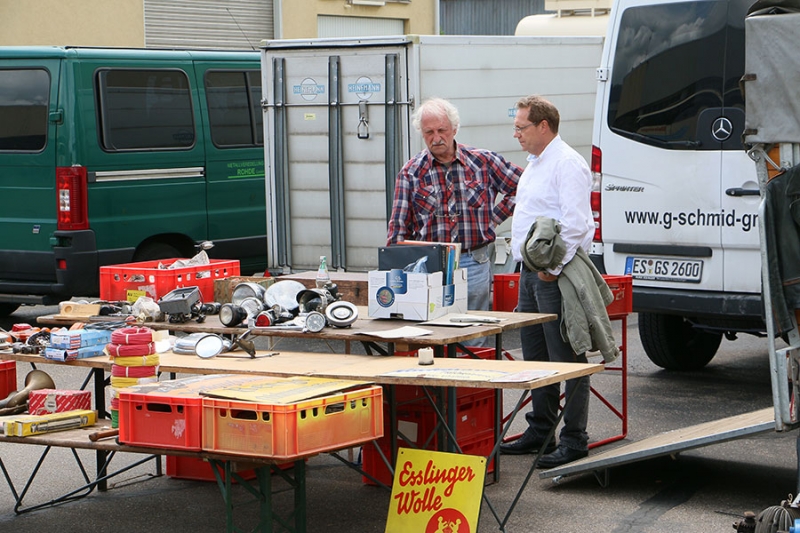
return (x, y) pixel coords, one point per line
(437, 107)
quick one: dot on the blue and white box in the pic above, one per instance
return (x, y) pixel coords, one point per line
(415, 296)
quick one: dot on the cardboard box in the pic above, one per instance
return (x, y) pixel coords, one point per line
(408, 296)
(351, 286)
(60, 354)
(79, 338)
(223, 288)
(24, 426)
(45, 401)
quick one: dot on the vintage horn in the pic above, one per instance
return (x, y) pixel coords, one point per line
(35, 380)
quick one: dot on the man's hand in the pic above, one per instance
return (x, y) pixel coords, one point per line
(547, 276)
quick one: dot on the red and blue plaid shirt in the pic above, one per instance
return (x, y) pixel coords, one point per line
(453, 203)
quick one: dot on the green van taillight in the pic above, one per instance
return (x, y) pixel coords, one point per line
(73, 213)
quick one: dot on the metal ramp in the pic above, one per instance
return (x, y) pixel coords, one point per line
(668, 443)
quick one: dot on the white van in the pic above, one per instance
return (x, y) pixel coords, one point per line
(676, 197)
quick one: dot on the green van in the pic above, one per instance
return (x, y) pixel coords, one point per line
(110, 156)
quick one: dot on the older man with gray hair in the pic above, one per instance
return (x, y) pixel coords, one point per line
(447, 193)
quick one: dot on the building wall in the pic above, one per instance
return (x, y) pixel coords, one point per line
(72, 22)
(299, 17)
(485, 17)
(122, 23)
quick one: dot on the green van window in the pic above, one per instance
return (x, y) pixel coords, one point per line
(24, 100)
(145, 109)
(234, 108)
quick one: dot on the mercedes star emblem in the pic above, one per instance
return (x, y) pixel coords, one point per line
(722, 129)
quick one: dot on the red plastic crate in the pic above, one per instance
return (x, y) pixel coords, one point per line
(289, 431)
(126, 282)
(8, 378)
(196, 469)
(622, 289)
(371, 462)
(160, 421)
(505, 292)
(417, 421)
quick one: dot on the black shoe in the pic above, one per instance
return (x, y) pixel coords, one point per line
(561, 456)
(527, 443)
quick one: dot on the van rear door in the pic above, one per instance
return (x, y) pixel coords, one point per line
(739, 191)
(29, 112)
(673, 87)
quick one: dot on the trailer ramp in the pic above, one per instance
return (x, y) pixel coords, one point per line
(668, 443)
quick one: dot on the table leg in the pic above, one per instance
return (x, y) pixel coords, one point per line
(100, 406)
(262, 492)
(549, 437)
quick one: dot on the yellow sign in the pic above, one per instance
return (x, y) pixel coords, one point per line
(132, 295)
(436, 492)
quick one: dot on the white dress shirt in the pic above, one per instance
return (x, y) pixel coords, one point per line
(556, 184)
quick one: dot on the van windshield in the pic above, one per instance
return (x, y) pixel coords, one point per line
(24, 100)
(676, 67)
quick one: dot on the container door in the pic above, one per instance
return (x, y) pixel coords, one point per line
(339, 118)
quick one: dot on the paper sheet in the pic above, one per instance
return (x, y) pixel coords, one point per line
(398, 333)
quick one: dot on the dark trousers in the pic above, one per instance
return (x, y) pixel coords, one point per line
(543, 342)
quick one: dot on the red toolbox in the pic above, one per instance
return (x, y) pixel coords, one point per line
(127, 282)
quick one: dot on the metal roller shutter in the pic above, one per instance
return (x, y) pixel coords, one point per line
(217, 24)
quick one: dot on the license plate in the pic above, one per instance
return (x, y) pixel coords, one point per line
(661, 269)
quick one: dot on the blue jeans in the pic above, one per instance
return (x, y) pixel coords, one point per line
(479, 282)
(479, 278)
(543, 342)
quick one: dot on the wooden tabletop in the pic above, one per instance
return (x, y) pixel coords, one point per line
(445, 372)
(362, 330)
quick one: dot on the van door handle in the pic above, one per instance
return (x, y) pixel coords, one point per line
(738, 191)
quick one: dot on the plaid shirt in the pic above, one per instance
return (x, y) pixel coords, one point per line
(453, 203)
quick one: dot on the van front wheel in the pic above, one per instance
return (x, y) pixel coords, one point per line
(672, 343)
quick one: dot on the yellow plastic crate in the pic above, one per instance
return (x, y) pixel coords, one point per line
(289, 431)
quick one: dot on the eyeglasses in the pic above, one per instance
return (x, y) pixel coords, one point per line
(518, 129)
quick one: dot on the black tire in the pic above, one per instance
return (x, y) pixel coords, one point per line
(672, 343)
(156, 250)
(7, 308)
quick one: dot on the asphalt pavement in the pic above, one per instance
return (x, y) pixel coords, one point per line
(699, 491)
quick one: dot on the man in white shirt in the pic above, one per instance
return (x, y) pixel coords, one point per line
(556, 184)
